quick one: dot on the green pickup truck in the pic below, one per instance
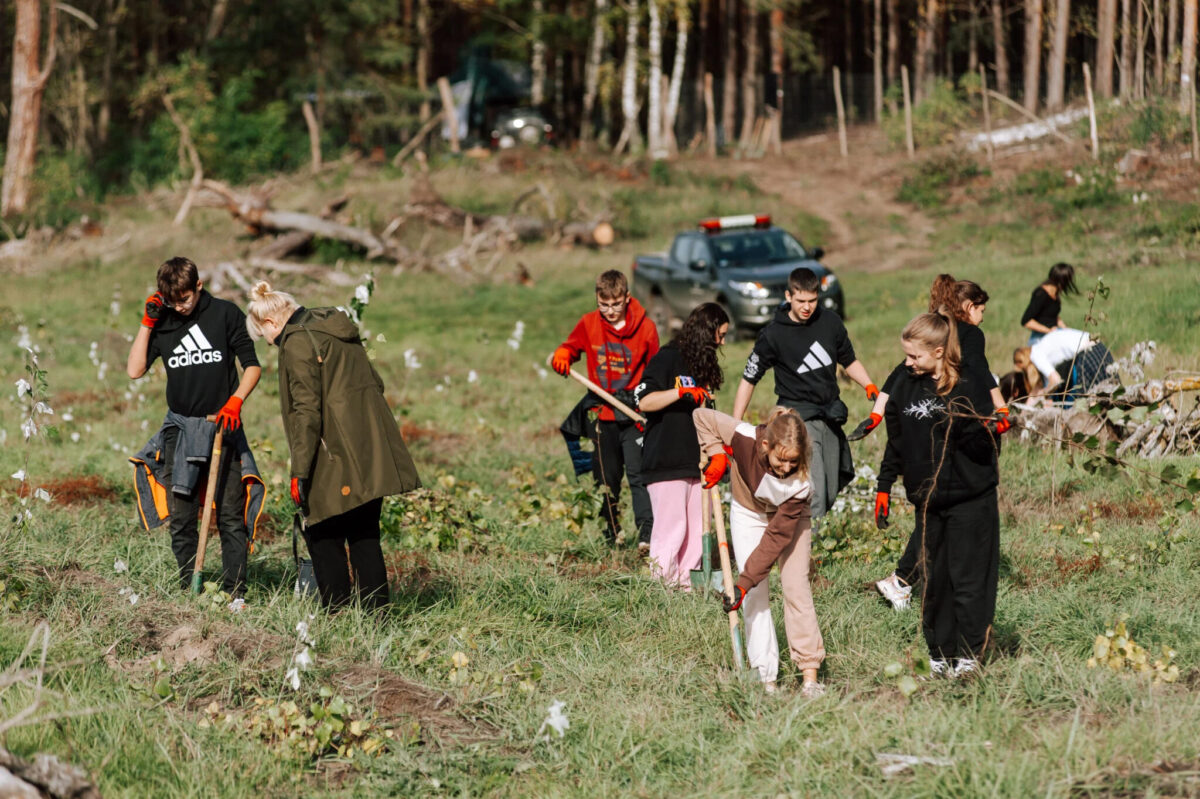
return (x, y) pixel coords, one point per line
(741, 262)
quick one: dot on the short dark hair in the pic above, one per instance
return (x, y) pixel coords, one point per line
(803, 279)
(1013, 387)
(176, 276)
(1062, 276)
(611, 284)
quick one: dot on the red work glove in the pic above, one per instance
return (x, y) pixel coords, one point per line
(155, 305)
(561, 362)
(864, 427)
(883, 501)
(696, 394)
(715, 470)
(300, 491)
(1001, 424)
(731, 605)
(229, 418)
(872, 392)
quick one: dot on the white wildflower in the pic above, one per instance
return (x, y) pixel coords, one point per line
(68, 417)
(28, 515)
(102, 371)
(555, 720)
(410, 359)
(43, 408)
(380, 339)
(439, 387)
(541, 371)
(23, 339)
(120, 566)
(304, 634)
(19, 474)
(29, 428)
(133, 599)
(124, 591)
(362, 294)
(74, 438)
(303, 659)
(293, 677)
(236, 605)
(23, 388)
(114, 308)
(42, 494)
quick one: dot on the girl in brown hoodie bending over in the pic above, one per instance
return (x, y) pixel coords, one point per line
(770, 520)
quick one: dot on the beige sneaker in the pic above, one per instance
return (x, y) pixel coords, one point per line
(771, 687)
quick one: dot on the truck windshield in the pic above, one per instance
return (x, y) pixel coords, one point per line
(747, 247)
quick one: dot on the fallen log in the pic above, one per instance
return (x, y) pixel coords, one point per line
(45, 775)
(587, 234)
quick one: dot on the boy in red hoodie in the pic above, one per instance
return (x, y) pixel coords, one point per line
(618, 340)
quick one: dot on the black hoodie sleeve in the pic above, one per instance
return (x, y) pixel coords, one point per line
(239, 338)
(762, 357)
(892, 465)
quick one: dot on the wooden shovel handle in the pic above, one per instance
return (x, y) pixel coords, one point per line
(210, 491)
(604, 395)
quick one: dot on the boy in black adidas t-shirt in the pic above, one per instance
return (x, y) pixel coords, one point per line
(198, 336)
(804, 344)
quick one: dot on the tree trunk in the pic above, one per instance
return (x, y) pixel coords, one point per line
(702, 65)
(1106, 29)
(114, 13)
(672, 108)
(591, 75)
(1139, 57)
(1126, 51)
(537, 62)
(1172, 33)
(972, 37)
(926, 56)
(630, 135)
(777, 21)
(893, 41)
(877, 56)
(1156, 25)
(847, 50)
(654, 115)
(424, 46)
(729, 87)
(1000, 40)
(1187, 65)
(750, 74)
(1033, 53)
(1056, 74)
(28, 85)
(216, 20)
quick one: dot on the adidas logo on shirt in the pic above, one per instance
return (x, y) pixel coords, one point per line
(817, 358)
(193, 349)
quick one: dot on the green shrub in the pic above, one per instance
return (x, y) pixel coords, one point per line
(940, 115)
(929, 183)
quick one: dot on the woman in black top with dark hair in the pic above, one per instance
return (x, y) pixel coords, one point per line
(1042, 314)
(678, 379)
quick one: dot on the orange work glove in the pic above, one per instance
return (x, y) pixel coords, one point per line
(229, 418)
(883, 503)
(715, 470)
(872, 392)
(155, 305)
(561, 362)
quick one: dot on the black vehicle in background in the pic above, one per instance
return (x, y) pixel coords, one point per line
(741, 262)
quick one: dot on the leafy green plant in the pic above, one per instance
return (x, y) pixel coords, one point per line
(445, 518)
(908, 672)
(929, 183)
(1116, 650)
(552, 498)
(944, 111)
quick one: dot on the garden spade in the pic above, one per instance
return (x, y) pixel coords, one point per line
(703, 578)
(210, 495)
(735, 634)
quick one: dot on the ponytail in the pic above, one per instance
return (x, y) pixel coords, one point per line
(785, 430)
(943, 293)
(934, 330)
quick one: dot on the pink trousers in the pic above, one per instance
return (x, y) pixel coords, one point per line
(675, 539)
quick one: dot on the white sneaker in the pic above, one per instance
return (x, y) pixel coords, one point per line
(894, 591)
(938, 667)
(965, 666)
(812, 690)
(770, 687)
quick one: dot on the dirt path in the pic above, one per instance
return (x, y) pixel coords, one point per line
(870, 230)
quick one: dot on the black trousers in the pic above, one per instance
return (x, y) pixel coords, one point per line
(358, 531)
(619, 450)
(185, 534)
(908, 567)
(962, 545)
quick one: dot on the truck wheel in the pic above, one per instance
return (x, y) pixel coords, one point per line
(660, 314)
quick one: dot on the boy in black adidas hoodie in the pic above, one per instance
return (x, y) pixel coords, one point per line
(805, 344)
(942, 438)
(198, 336)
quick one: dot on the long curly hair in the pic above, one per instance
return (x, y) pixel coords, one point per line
(697, 343)
(953, 295)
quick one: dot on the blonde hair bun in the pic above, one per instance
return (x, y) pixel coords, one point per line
(261, 290)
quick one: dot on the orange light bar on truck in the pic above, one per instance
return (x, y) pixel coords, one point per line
(742, 220)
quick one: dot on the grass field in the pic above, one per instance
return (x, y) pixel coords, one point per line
(505, 598)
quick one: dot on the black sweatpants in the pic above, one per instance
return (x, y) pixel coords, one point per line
(908, 568)
(963, 555)
(184, 528)
(619, 450)
(328, 540)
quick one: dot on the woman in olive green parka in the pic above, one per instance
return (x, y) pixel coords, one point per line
(347, 453)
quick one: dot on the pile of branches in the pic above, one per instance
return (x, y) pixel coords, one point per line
(1149, 419)
(486, 239)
